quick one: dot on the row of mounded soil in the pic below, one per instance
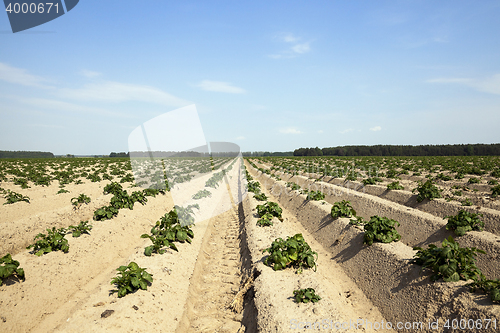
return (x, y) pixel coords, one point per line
(437, 207)
(401, 290)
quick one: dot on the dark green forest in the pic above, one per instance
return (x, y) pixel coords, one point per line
(25, 154)
(396, 150)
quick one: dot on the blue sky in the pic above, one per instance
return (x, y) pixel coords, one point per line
(266, 75)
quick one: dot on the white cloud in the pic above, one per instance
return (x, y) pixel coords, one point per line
(289, 38)
(240, 138)
(109, 91)
(219, 86)
(89, 74)
(376, 128)
(56, 105)
(320, 131)
(301, 48)
(489, 85)
(290, 130)
(293, 51)
(346, 131)
(19, 76)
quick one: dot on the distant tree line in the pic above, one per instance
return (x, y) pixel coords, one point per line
(392, 150)
(25, 154)
(122, 154)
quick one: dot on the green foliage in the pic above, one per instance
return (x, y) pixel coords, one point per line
(294, 251)
(427, 190)
(53, 241)
(9, 267)
(342, 209)
(81, 199)
(13, 197)
(129, 178)
(62, 191)
(395, 186)
(450, 262)
(492, 182)
(381, 229)
(260, 197)
(495, 191)
(293, 186)
(457, 193)
(186, 213)
(202, 194)
(443, 177)
(167, 231)
(491, 287)
(130, 279)
(270, 207)
(467, 202)
(474, 180)
(22, 182)
(82, 228)
(315, 195)
(266, 220)
(371, 181)
(306, 295)
(359, 220)
(464, 221)
(254, 187)
(105, 213)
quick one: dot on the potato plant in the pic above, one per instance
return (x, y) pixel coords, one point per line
(53, 241)
(81, 199)
(306, 295)
(449, 262)
(315, 195)
(381, 229)
(10, 267)
(131, 278)
(13, 197)
(395, 186)
(167, 231)
(491, 287)
(342, 209)
(202, 194)
(427, 191)
(260, 197)
(294, 251)
(464, 221)
(270, 207)
(82, 228)
(266, 220)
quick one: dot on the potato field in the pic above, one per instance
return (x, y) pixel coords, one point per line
(226, 244)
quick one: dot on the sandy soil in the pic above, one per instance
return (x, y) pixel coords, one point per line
(192, 288)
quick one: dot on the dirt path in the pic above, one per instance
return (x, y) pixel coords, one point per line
(215, 280)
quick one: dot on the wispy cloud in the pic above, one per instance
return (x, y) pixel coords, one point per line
(109, 91)
(240, 138)
(293, 51)
(220, 86)
(89, 74)
(20, 76)
(290, 130)
(301, 48)
(57, 105)
(346, 131)
(320, 131)
(376, 129)
(289, 38)
(489, 85)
